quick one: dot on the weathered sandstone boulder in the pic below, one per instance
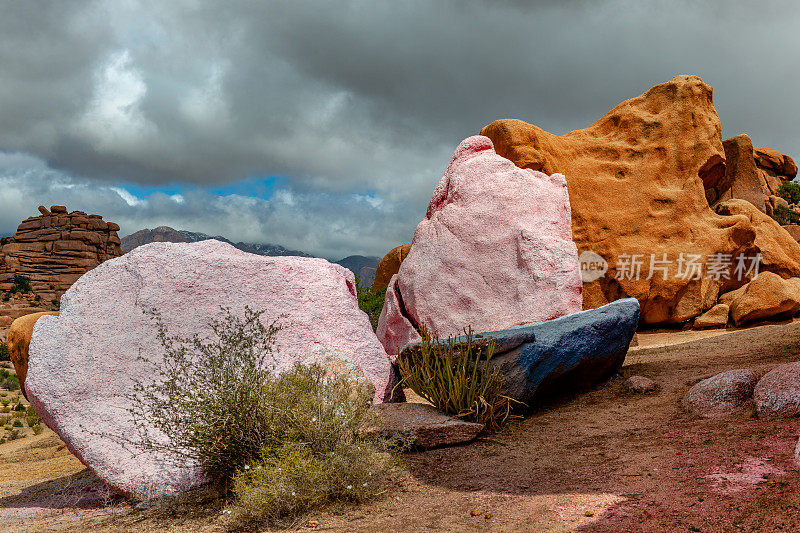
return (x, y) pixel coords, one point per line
(560, 356)
(777, 394)
(637, 179)
(741, 175)
(716, 317)
(19, 338)
(389, 266)
(766, 296)
(55, 248)
(423, 425)
(494, 251)
(726, 393)
(82, 363)
(793, 230)
(779, 252)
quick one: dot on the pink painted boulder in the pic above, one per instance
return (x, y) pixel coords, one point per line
(83, 361)
(777, 394)
(494, 251)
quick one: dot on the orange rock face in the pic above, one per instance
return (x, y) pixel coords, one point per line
(55, 248)
(19, 338)
(637, 179)
(389, 266)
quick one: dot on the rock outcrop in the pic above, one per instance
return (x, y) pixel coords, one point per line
(82, 364)
(724, 394)
(716, 317)
(389, 265)
(19, 338)
(741, 178)
(638, 181)
(768, 295)
(55, 248)
(560, 356)
(494, 251)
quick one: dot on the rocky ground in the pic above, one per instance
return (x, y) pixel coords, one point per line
(608, 460)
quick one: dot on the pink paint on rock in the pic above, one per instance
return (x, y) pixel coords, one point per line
(82, 362)
(394, 329)
(494, 251)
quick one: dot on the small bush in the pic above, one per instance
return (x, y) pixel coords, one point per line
(37, 429)
(458, 378)
(19, 408)
(221, 405)
(790, 191)
(317, 453)
(11, 383)
(4, 355)
(14, 435)
(17, 424)
(32, 420)
(55, 302)
(6, 296)
(5, 410)
(783, 215)
(21, 284)
(370, 302)
(5, 401)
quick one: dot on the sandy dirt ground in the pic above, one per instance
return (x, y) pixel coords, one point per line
(606, 460)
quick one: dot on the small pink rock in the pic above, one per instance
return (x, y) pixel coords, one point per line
(494, 251)
(83, 362)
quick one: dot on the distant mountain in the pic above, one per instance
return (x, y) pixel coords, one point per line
(253, 248)
(361, 266)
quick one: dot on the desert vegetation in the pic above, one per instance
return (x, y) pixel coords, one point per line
(456, 376)
(371, 302)
(276, 444)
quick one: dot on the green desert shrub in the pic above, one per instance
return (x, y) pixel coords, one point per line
(318, 453)
(222, 405)
(458, 378)
(17, 424)
(32, 420)
(21, 284)
(37, 429)
(783, 215)
(370, 302)
(790, 191)
(4, 355)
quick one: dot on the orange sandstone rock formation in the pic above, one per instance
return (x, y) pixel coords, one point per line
(389, 265)
(55, 248)
(19, 338)
(637, 179)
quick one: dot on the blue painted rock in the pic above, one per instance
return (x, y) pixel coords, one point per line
(563, 355)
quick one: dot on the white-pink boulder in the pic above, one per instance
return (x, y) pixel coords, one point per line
(82, 362)
(494, 251)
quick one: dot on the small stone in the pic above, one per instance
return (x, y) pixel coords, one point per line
(425, 425)
(476, 512)
(312, 524)
(588, 513)
(639, 384)
(488, 516)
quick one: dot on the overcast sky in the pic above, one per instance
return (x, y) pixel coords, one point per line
(324, 126)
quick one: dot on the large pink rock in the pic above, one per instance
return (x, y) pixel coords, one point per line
(82, 362)
(494, 251)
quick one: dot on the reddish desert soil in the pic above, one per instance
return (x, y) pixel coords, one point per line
(606, 460)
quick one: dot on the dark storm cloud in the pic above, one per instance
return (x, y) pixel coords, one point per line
(352, 97)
